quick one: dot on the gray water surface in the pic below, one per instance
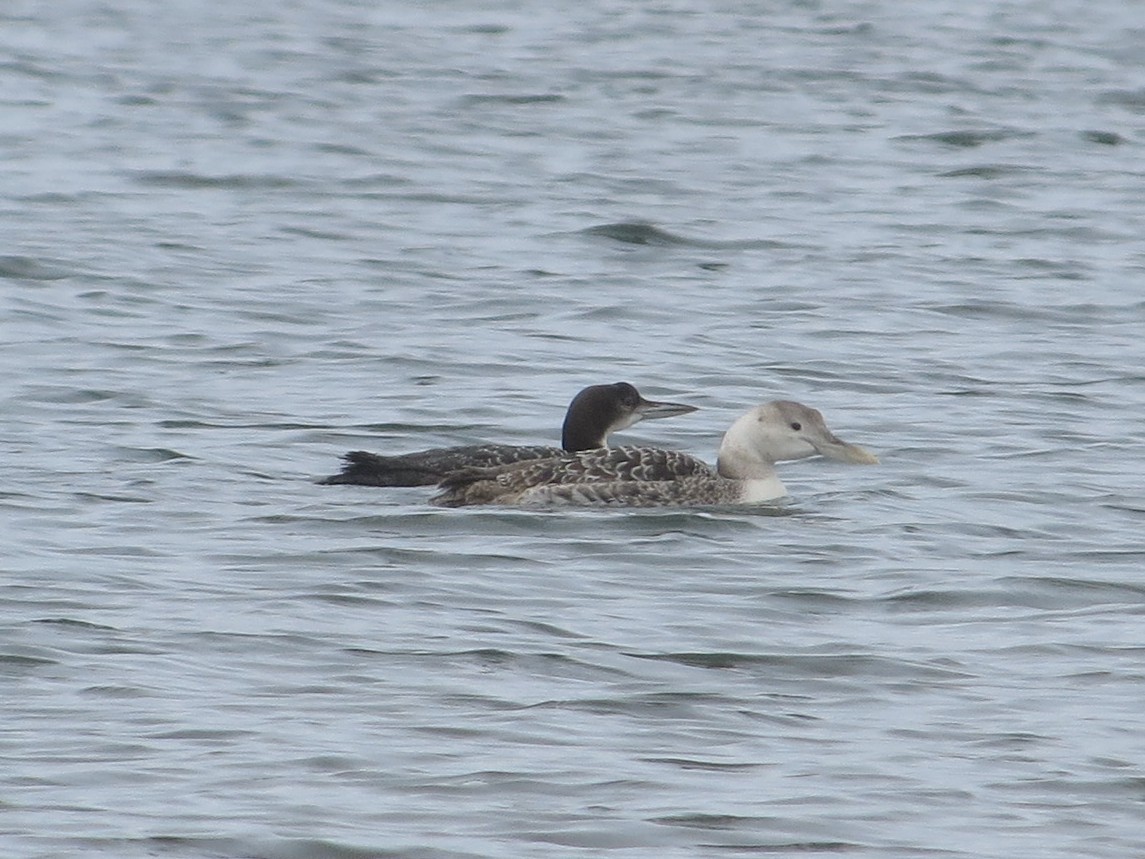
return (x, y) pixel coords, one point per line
(240, 239)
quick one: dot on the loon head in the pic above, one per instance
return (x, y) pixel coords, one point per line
(783, 430)
(600, 410)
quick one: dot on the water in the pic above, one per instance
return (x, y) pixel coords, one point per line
(240, 239)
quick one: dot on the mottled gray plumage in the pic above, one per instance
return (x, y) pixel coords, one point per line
(648, 477)
(691, 491)
(623, 464)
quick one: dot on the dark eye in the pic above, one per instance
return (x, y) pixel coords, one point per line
(795, 425)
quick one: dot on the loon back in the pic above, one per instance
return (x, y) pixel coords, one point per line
(428, 467)
(690, 491)
(625, 464)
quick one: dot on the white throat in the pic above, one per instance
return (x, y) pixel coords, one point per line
(740, 457)
(759, 489)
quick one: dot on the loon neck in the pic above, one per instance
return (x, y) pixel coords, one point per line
(575, 435)
(740, 460)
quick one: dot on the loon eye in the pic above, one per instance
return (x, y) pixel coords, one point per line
(795, 425)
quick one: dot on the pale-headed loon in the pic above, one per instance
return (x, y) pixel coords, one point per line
(650, 477)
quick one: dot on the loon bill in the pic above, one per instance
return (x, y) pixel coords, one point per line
(593, 415)
(650, 477)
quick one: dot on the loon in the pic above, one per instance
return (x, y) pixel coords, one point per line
(594, 414)
(650, 477)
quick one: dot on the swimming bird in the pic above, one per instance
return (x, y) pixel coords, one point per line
(593, 415)
(650, 477)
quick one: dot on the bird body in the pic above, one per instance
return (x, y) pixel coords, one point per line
(593, 415)
(629, 476)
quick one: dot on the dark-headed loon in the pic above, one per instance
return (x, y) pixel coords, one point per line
(594, 414)
(649, 477)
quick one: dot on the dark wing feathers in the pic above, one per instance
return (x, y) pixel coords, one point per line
(625, 464)
(694, 490)
(430, 466)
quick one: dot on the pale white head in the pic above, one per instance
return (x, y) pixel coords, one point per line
(777, 431)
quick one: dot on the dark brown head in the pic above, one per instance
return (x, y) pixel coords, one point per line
(600, 410)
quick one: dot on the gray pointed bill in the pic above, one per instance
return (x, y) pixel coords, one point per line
(835, 448)
(650, 410)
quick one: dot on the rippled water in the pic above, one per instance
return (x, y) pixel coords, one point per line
(240, 239)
